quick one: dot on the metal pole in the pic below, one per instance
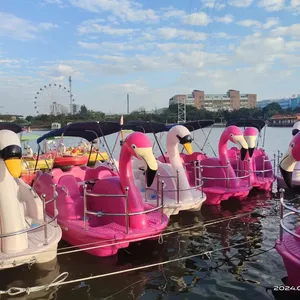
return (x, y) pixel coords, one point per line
(157, 189)
(177, 181)
(249, 181)
(201, 181)
(84, 206)
(126, 207)
(162, 200)
(228, 180)
(128, 104)
(195, 171)
(43, 196)
(54, 204)
(274, 172)
(281, 213)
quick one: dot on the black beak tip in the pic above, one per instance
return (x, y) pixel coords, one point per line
(243, 153)
(251, 151)
(287, 177)
(150, 175)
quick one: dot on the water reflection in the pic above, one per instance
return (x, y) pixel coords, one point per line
(236, 272)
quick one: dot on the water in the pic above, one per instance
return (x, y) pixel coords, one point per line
(245, 272)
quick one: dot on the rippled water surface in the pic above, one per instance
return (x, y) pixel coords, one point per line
(243, 263)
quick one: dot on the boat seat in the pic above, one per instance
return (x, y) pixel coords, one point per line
(56, 174)
(74, 200)
(99, 172)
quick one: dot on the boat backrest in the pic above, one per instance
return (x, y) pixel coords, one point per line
(70, 184)
(56, 174)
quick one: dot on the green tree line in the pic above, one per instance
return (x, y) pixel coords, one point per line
(166, 115)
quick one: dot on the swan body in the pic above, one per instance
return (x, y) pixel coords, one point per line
(21, 210)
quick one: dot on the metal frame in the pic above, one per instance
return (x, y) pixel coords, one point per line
(198, 183)
(292, 210)
(127, 214)
(45, 223)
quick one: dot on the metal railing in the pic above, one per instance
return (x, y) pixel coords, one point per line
(293, 211)
(198, 183)
(45, 223)
(127, 214)
(227, 178)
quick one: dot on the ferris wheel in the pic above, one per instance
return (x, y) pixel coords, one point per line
(54, 99)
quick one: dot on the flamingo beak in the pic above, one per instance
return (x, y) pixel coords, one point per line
(286, 166)
(186, 141)
(251, 141)
(240, 141)
(12, 158)
(147, 155)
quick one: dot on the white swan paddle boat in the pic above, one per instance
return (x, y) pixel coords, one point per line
(27, 234)
(296, 171)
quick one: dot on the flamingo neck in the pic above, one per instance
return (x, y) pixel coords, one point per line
(223, 153)
(126, 175)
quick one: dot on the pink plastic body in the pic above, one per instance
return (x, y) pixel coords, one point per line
(108, 231)
(289, 249)
(261, 169)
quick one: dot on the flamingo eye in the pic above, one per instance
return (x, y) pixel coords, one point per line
(292, 145)
(133, 146)
(231, 134)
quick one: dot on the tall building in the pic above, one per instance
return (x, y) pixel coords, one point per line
(213, 102)
(285, 103)
(58, 109)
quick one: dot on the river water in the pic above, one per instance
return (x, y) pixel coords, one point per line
(248, 271)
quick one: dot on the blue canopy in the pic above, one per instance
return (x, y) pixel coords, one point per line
(87, 130)
(10, 126)
(145, 126)
(194, 125)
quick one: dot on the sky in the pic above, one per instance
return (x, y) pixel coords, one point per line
(151, 49)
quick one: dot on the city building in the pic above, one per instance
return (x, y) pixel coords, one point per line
(58, 109)
(213, 102)
(285, 103)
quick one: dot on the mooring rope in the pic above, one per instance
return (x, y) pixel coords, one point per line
(60, 280)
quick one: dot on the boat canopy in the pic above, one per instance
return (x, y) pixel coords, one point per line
(259, 124)
(10, 126)
(145, 126)
(87, 130)
(194, 125)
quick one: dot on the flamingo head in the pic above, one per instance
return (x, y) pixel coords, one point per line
(11, 152)
(250, 135)
(296, 128)
(180, 134)
(140, 146)
(235, 135)
(288, 161)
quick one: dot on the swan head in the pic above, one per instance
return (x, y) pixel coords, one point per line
(180, 134)
(140, 146)
(288, 161)
(235, 135)
(11, 152)
(250, 135)
(296, 128)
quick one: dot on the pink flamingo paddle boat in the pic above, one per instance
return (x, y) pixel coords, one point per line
(288, 245)
(178, 194)
(109, 213)
(219, 179)
(296, 170)
(256, 161)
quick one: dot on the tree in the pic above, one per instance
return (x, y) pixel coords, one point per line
(83, 110)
